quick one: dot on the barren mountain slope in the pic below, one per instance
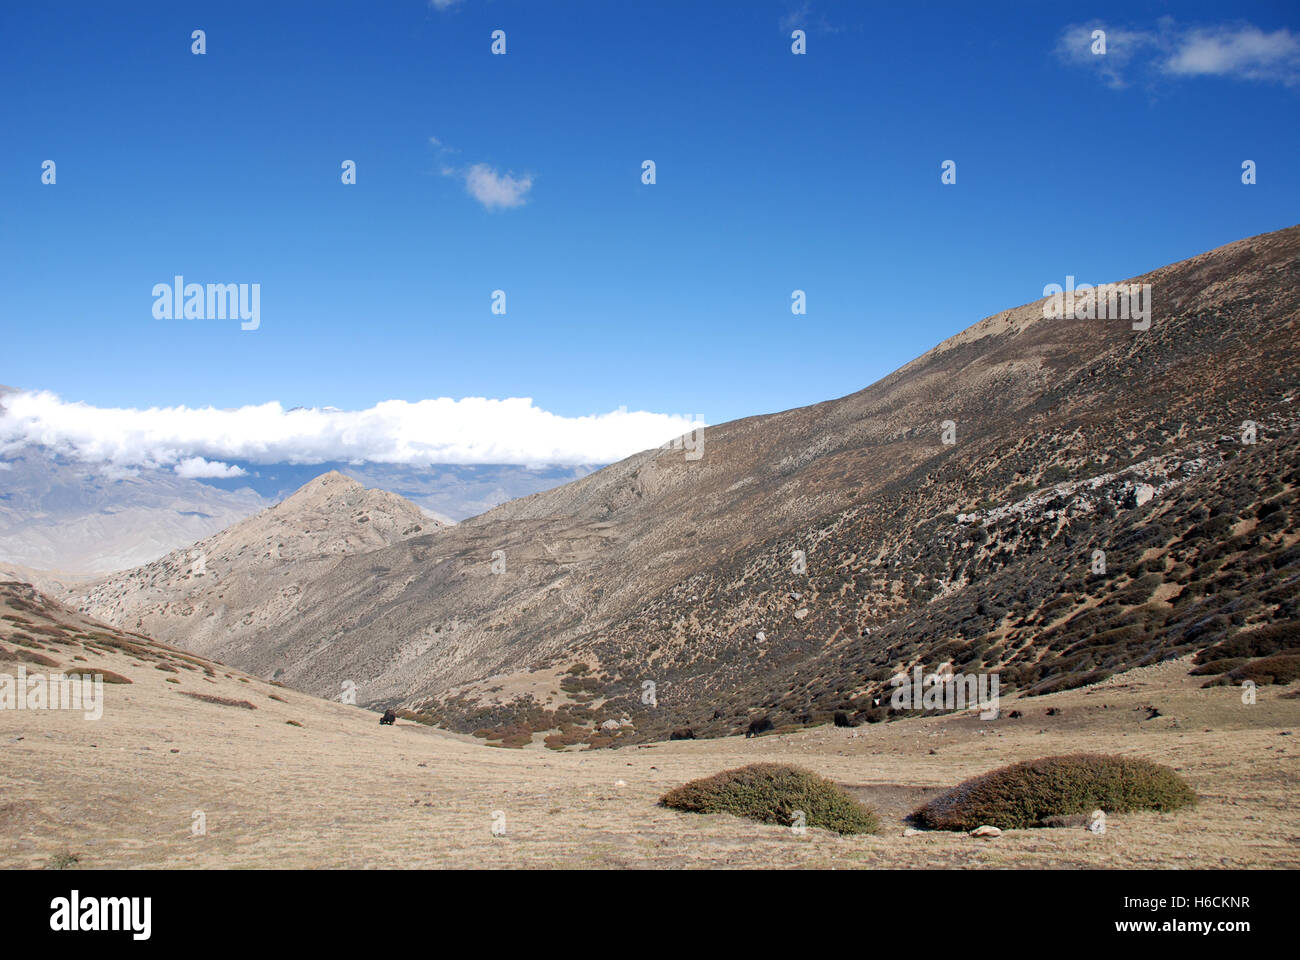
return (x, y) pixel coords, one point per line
(982, 557)
(212, 596)
(670, 563)
(1209, 563)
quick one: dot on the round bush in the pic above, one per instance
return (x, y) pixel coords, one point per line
(1025, 794)
(771, 793)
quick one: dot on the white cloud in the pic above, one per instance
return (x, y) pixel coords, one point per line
(1075, 48)
(443, 4)
(202, 441)
(494, 189)
(197, 467)
(1240, 51)
(1246, 52)
(803, 18)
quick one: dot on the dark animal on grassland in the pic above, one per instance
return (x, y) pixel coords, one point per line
(388, 717)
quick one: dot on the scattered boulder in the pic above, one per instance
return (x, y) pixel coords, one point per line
(1136, 495)
(986, 831)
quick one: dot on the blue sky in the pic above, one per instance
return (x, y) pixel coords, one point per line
(775, 172)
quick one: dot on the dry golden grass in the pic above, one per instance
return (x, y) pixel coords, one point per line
(342, 791)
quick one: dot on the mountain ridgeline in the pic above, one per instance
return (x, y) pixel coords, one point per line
(1054, 499)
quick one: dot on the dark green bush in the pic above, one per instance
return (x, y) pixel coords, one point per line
(1260, 642)
(1281, 669)
(1025, 794)
(1069, 681)
(1216, 667)
(771, 793)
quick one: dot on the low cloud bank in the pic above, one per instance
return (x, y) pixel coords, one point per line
(200, 442)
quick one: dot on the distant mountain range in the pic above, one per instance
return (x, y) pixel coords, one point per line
(63, 520)
(1054, 498)
(447, 492)
(73, 518)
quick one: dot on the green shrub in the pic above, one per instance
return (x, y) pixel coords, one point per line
(62, 861)
(771, 793)
(1281, 669)
(108, 676)
(1069, 681)
(1260, 642)
(1216, 667)
(1025, 794)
